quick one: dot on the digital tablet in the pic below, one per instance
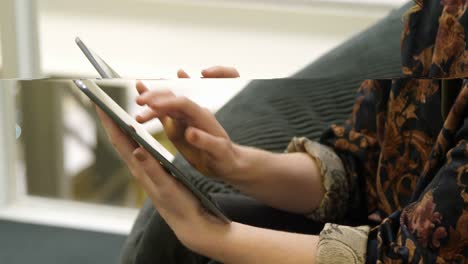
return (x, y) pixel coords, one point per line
(144, 139)
(99, 64)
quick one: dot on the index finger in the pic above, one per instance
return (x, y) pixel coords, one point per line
(174, 106)
(141, 87)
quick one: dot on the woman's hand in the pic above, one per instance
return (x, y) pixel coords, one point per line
(266, 176)
(181, 210)
(194, 226)
(194, 130)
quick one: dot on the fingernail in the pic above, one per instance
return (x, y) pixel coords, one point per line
(138, 100)
(139, 155)
(192, 135)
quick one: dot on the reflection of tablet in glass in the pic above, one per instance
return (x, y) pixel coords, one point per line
(143, 138)
(99, 64)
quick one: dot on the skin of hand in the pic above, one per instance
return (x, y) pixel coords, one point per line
(182, 211)
(194, 226)
(214, 72)
(195, 132)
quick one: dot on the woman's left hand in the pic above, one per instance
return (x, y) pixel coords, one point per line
(176, 204)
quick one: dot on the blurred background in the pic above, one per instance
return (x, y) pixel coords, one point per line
(61, 151)
(154, 38)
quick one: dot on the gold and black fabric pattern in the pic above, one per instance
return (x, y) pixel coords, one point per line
(337, 188)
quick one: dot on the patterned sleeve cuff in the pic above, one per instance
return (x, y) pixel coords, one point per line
(342, 244)
(334, 203)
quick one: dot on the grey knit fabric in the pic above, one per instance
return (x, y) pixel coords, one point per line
(268, 113)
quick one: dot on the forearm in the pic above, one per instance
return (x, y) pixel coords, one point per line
(239, 243)
(287, 181)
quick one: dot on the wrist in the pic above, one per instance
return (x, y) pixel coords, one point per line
(220, 242)
(245, 164)
(206, 235)
(240, 243)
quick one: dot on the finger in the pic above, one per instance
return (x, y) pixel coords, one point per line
(220, 72)
(182, 74)
(142, 177)
(173, 129)
(153, 95)
(169, 196)
(109, 125)
(186, 112)
(151, 167)
(105, 119)
(146, 115)
(126, 150)
(141, 87)
(121, 142)
(215, 146)
(180, 104)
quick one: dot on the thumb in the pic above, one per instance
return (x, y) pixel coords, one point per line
(141, 87)
(215, 146)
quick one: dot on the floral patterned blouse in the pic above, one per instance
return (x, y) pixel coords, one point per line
(396, 173)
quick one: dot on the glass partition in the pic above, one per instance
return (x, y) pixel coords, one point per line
(63, 151)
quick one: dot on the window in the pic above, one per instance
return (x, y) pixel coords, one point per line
(17, 205)
(7, 155)
(66, 171)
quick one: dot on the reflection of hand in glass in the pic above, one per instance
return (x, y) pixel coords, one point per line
(213, 72)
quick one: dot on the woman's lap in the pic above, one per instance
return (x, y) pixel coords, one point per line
(165, 247)
(243, 209)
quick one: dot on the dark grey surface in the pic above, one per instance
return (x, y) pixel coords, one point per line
(36, 244)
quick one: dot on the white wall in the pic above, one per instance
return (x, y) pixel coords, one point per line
(151, 38)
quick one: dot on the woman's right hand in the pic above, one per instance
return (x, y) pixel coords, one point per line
(193, 130)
